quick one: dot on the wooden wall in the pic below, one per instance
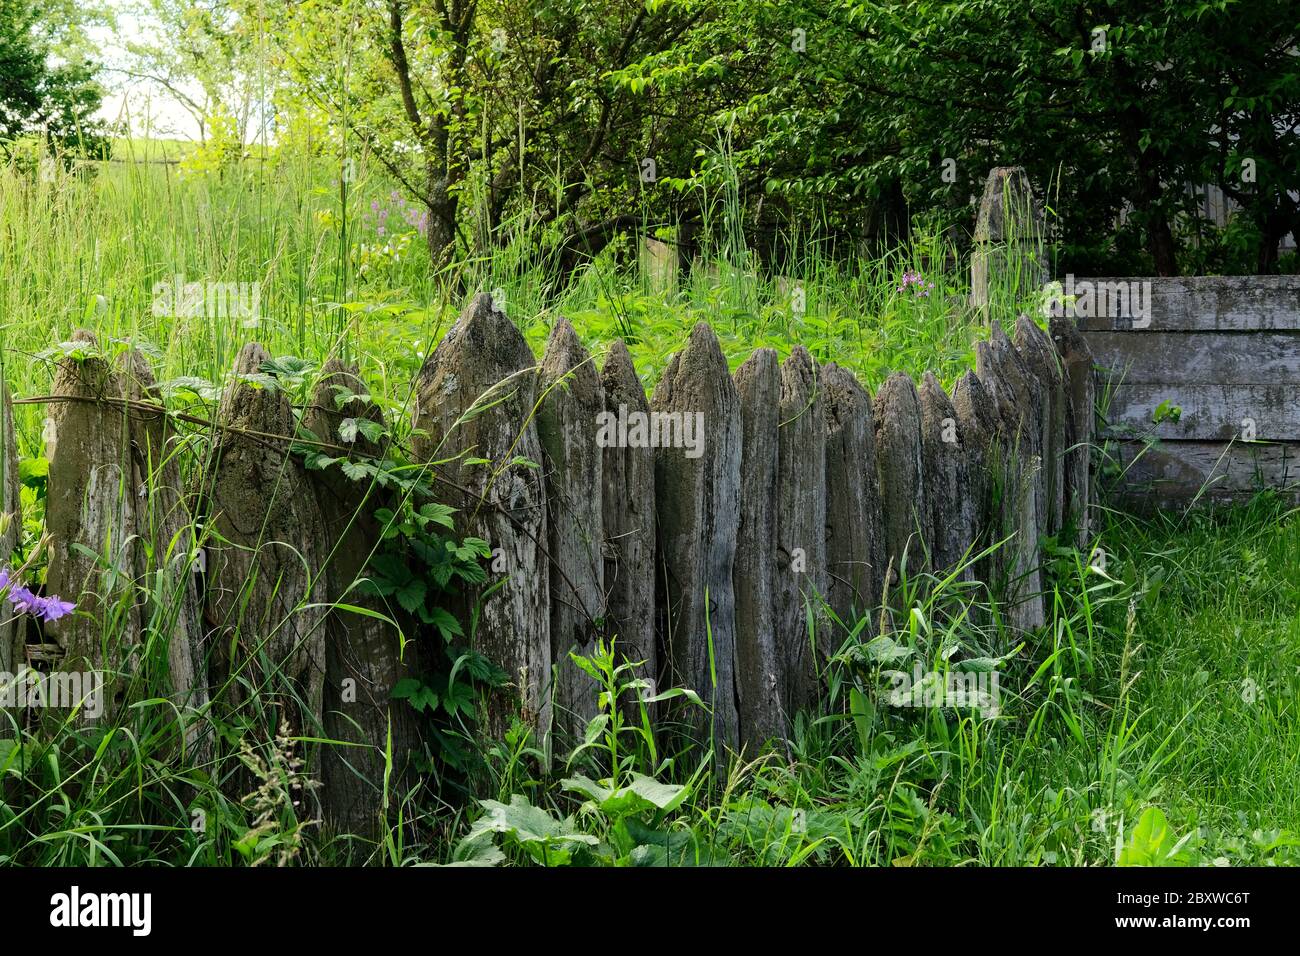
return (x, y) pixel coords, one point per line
(1225, 350)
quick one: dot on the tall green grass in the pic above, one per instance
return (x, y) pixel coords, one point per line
(1130, 698)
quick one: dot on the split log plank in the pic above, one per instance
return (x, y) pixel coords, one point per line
(484, 364)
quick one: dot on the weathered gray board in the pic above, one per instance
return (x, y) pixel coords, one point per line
(1226, 351)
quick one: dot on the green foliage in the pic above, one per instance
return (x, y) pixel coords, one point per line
(1153, 843)
(417, 563)
(781, 168)
(48, 82)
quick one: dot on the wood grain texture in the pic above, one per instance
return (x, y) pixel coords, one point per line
(1014, 462)
(1226, 352)
(567, 429)
(365, 656)
(855, 543)
(1208, 412)
(698, 500)
(166, 527)
(628, 513)
(1210, 303)
(1042, 361)
(264, 587)
(977, 423)
(1080, 384)
(759, 679)
(800, 564)
(897, 417)
(948, 494)
(1195, 358)
(1174, 474)
(484, 361)
(90, 515)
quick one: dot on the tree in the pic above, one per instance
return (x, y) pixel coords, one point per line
(1125, 107)
(47, 82)
(1250, 83)
(204, 55)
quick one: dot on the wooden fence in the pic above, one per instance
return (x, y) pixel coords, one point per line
(1208, 367)
(698, 526)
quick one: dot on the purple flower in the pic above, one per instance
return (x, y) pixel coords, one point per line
(25, 602)
(911, 278)
(55, 608)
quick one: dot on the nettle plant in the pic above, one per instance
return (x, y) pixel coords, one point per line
(419, 563)
(629, 817)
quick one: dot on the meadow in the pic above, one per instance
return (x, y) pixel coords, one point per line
(1152, 720)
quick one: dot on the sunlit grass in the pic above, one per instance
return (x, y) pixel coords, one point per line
(1138, 693)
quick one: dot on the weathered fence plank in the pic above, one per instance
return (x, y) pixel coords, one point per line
(800, 563)
(759, 665)
(1206, 412)
(1080, 387)
(628, 513)
(1196, 358)
(483, 359)
(365, 655)
(264, 588)
(567, 429)
(855, 544)
(91, 502)
(1009, 236)
(1199, 303)
(698, 496)
(977, 423)
(952, 506)
(1173, 475)
(659, 266)
(1007, 382)
(1040, 358)
(12, 650)
(1020, 399)
(165, 525)
(897, 415)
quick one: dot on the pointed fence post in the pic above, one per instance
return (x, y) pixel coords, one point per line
(1014, 396)
(90, 515)
(977, 423)
(1039, 356)
(946, 466)
(800, 584)
(1008, 248)
(573, 398)
(1080, 390)
(697, 494)
(628, 513)
(265, 588)
(759, 664)
(165, 524)
(475, 399)
(370, 644)
(897, 411)
(855, 545)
